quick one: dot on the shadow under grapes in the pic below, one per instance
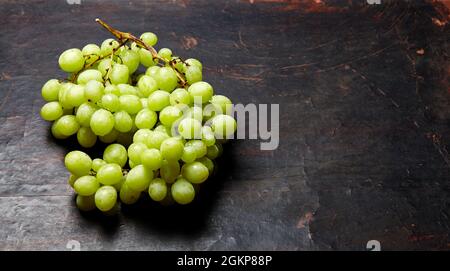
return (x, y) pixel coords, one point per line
(150, 216)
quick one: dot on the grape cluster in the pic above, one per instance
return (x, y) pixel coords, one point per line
(164, 125)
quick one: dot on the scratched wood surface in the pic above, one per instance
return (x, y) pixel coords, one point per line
(364, 126)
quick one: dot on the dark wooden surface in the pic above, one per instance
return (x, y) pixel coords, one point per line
(364, 119)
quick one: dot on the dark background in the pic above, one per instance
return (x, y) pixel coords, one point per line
(364, 124)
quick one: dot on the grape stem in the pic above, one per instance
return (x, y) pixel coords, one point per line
(86, 66)
(124, 37)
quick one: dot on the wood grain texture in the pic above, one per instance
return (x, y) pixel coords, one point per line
(364, 113)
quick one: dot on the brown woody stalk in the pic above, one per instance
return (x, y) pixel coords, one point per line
(124, 37)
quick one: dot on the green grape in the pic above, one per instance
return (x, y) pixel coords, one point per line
(169, 115)
(152, 71)
(126, 89)
(195, 172)
(110, 102)
(172, 149)
(105, 198)
(72, 179)
(189, 154)
(179, 65)
(112, 89)
(224, 103)
(208, 164)
(78, 163)
(163, 129)
(169, 170)
(64, 87)
(86, 185)
(165, 53)
(130, 103)
(168, 200)
(119, 74)
(182, 191)
(128, 196)
(223, 126)
(119, 51)
(149, 38)
(130, 59)
(220, 149)
(190, 128)
(104, 65)
(122, 121)
(135, 47)
(68, 125)
(91, 53)
(125, 138)
(109, 174)
(141, 135)
(62, 98)
(155, 139)
(50, 90)
(158, 100)
(93, 90)
(109, 137)
(56, 130)
(180, 96)
(183, 107)
(166, 78)
(139, 178)
(131, 164)
(85, 203)
(157, 189)
(146, 119)
(210, 111)
(194, 112)
(194, 62)
(193, 74)
(199, 146)
(146, 58)
(108, 46)
(51, 111)
(71, 60)
(151, 158)
(134, 128)
(118, 186)
(75, 95)
(84, 114)
(208, 136)
(144, 102)
(102, 122)
(201, 91)
(135, 150)
(86, 138)
(212, 152)
(97, 163)
(147, 85)
(115, 153)
(88, 75)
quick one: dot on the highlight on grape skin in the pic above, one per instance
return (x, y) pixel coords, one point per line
(163, 124)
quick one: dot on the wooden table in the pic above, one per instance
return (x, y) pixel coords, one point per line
(364, 126)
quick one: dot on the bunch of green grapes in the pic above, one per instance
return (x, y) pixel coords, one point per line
(164, 125)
